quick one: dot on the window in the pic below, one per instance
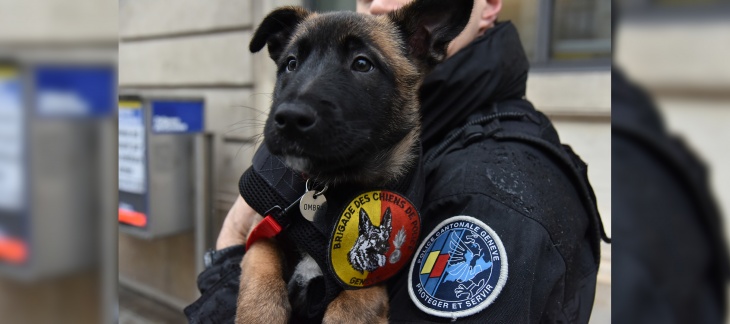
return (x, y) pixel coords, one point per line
(562, 32)
(553, 32)
(330, 5)
(686, 3)
(581, 29)
(673, 9)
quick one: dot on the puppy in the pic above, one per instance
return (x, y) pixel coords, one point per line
(345, 111)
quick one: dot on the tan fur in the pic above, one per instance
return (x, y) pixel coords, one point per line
(394, 162)
(402, 156)
(366, 306)
(262, 295)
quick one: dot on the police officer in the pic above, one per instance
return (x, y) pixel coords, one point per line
(510, 230)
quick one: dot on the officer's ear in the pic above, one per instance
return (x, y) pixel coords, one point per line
(276, 29)
(428, 26)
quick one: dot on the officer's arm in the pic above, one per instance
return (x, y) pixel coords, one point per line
(218, 284)
(238, 223)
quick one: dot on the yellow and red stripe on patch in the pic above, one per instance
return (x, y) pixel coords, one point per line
(435, 264)
(374, 238)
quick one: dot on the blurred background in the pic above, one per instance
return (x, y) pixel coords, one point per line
(58, 139)
(677, 51)
(670, 261)
(112, 113)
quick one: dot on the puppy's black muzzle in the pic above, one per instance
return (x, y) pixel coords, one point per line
(295, 120)
(312, 128)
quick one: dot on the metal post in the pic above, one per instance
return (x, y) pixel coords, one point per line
(201, 183)
(544, 31)
(108, 223)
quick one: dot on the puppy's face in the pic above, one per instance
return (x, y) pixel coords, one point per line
(345, 104)
(345, 93)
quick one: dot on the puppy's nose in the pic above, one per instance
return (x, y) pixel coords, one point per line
(291, 117)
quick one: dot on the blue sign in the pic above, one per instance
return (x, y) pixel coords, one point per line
(75, 91)
(177, 116)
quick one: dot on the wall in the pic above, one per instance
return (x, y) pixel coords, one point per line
(194, 49)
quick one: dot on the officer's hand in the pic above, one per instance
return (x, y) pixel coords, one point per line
(238, 223)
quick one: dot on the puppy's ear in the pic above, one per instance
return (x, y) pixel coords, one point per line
(430, 25)
(365, 225)
(276, 29)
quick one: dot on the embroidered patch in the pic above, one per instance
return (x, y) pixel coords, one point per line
(459, 270)
(375, 236)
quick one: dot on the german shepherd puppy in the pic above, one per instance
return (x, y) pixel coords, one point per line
(345, 110)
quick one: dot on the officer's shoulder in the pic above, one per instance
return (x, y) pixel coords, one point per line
(498, 168)
(515, 180)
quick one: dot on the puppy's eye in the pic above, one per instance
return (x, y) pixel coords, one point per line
(362, 64)
(291, 64)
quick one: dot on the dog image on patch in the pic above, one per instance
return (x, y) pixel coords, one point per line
(368, 253)
(345, 110)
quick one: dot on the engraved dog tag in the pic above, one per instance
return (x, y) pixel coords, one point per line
(309, 205)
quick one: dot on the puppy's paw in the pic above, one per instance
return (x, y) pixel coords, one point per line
(369, 305)
(262, 295)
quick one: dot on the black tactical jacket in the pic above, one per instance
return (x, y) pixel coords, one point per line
(490, 157)
(672, 258)
(511, 173)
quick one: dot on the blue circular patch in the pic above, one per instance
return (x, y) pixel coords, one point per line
(459, 269)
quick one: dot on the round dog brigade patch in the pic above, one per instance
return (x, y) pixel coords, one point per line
(459, 269)
(375, 236)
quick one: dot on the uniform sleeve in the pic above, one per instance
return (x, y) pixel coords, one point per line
(218, 286)
(533, 291)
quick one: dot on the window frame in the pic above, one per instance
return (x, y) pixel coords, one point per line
(542, 59)
(651, 11)
(311, 4)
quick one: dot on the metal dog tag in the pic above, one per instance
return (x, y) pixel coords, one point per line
(310, 206)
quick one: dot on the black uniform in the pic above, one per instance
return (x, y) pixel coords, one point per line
(510, 230)
(671, 258)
